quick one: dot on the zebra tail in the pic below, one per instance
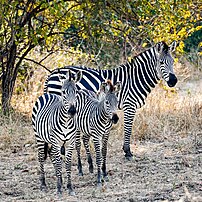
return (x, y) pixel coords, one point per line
(45, 150)
(62, 150)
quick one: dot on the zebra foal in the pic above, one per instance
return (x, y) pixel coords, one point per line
(95, 118)
(54, 123)
(138, 77)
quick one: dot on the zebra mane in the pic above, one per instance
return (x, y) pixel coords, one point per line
(165, 50)
(138, 54)
(101, 94)
(165, 47)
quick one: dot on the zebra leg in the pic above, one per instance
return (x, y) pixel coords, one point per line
(78, 149)
(68, 168)
(128, 122)
(104, 155)
(52, 157)
(42, 154)
(97, 145)
(57, 162)
(86, 145)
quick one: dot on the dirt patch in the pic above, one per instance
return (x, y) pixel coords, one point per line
(161, 170)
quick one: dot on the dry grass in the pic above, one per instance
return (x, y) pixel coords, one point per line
(164, 115)
(15, 133)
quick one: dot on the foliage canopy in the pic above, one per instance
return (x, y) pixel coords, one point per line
(108, 30)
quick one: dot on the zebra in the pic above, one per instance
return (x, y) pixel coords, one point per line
(137, 77)
(94, 119)
(53, 120)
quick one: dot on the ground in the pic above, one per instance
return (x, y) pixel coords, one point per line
(161, 170)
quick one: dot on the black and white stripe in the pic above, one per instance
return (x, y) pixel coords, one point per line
(137, 77)
(54, 123)
(94, 119)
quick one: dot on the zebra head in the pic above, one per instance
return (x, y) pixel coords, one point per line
(108, 93)
(165, 62)
(69, 90)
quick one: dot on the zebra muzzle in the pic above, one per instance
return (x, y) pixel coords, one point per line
(172, 80)
(72, 110)
(115, 118)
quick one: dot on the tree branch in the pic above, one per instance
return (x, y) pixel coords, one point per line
(38, 63)
(46, 57)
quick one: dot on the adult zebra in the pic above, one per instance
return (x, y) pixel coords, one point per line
(54, 123)
(94, 119)
(138, 77)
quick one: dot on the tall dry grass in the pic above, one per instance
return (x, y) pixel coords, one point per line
(15, 133)
(167, 113)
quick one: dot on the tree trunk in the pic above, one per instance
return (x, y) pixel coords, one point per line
(8, 78)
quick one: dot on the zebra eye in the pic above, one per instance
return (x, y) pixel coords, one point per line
(63, 91)
(161, 62)
(107, 102)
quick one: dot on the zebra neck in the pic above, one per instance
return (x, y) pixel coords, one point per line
(142, 67)
(100, 113)
(103, 115)
(64, 117)
(144, 71)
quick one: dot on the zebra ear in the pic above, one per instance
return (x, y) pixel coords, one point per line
(61, 78)
(78, 76)
(68, 75)
(173, 46)
(103, 87)
(117, 87)
(159, 47)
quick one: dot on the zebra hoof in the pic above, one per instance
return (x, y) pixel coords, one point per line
(128, 154)
(71, 190)
(129, 158)
(59, 193)
(72, 193)
(106, 178)
(80, 174)
(99, 185)
(43, 188)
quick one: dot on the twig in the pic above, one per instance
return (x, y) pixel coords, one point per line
(38, 63)
(46, 57)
